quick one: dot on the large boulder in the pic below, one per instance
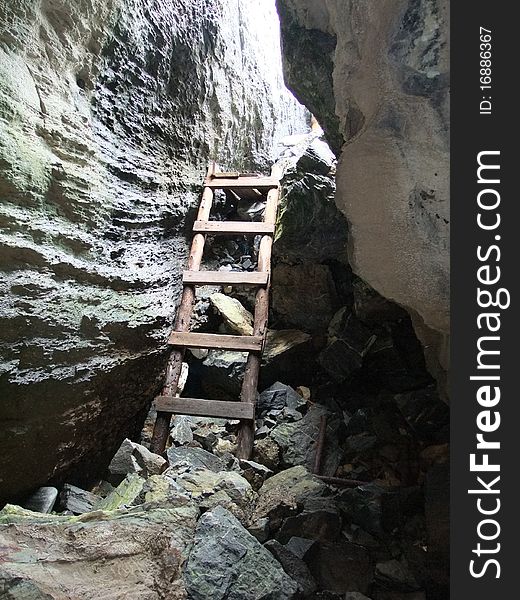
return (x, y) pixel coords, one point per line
(109, 112)
(298, 440)
(310, 227)
(288, 493)
(304, 295)
(376, 76)
(136, 554)
(228, 562)
(348, 342)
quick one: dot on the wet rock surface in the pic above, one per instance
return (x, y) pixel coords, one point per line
(109, 112)
(347, 396)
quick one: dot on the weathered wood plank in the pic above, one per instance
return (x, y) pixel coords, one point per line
(205, 408)
(246, 193)
(233, 227)
(226, 175)
(259, 183)
(224, 278)
(241, 343)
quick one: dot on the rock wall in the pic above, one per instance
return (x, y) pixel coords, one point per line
(109, 112)
(375, 74)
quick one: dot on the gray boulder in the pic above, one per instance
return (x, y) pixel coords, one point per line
(226, 488)
(286, 494)
(298, 440)
(135, 458)
(395, 574)
(124, 494)
(321, 522)
(286, 353)
(293, 566)
(77, 500)
(187, 459)
(310, 226)
(318, 158)
(304, 295)
(277, 397)
(340, 566)
(228, 562)
(181, 432)
(254, 472)
(349, 341)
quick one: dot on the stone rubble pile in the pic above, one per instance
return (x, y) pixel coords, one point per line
(213, 526)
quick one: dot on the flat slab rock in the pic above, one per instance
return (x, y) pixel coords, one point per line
(227, 562)
(233, 313)
(77, 500)
(136, 555)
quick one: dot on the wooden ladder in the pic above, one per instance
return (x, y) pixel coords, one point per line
(241, 186)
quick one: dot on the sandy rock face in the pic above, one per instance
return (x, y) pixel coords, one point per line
(379, 87)
(109, 111)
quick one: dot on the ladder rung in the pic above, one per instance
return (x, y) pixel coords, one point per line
(226, 175)
(225, 278)
(259, 183)
(241, 343)
(233, 227)
(205, 408)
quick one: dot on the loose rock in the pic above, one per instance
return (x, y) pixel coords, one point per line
(124, 494)
(228, 562)
(235, 316)
(137, 554)
(340, 567)
(277, 397)
(134, 458)
(254, 472)
(396, 574)
(187, 459)
(77, 500)
(298, 441)
(293, 566)
(42, 500)
(181, 432)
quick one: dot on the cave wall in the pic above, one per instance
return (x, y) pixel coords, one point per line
(375, 74)
(109, 112)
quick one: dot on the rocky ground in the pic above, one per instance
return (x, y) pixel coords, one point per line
(364, 517)
(201, 524)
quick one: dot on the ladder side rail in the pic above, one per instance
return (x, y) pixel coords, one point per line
(182, 323)
(246, 432)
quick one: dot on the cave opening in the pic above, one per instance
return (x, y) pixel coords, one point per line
(107, 126)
